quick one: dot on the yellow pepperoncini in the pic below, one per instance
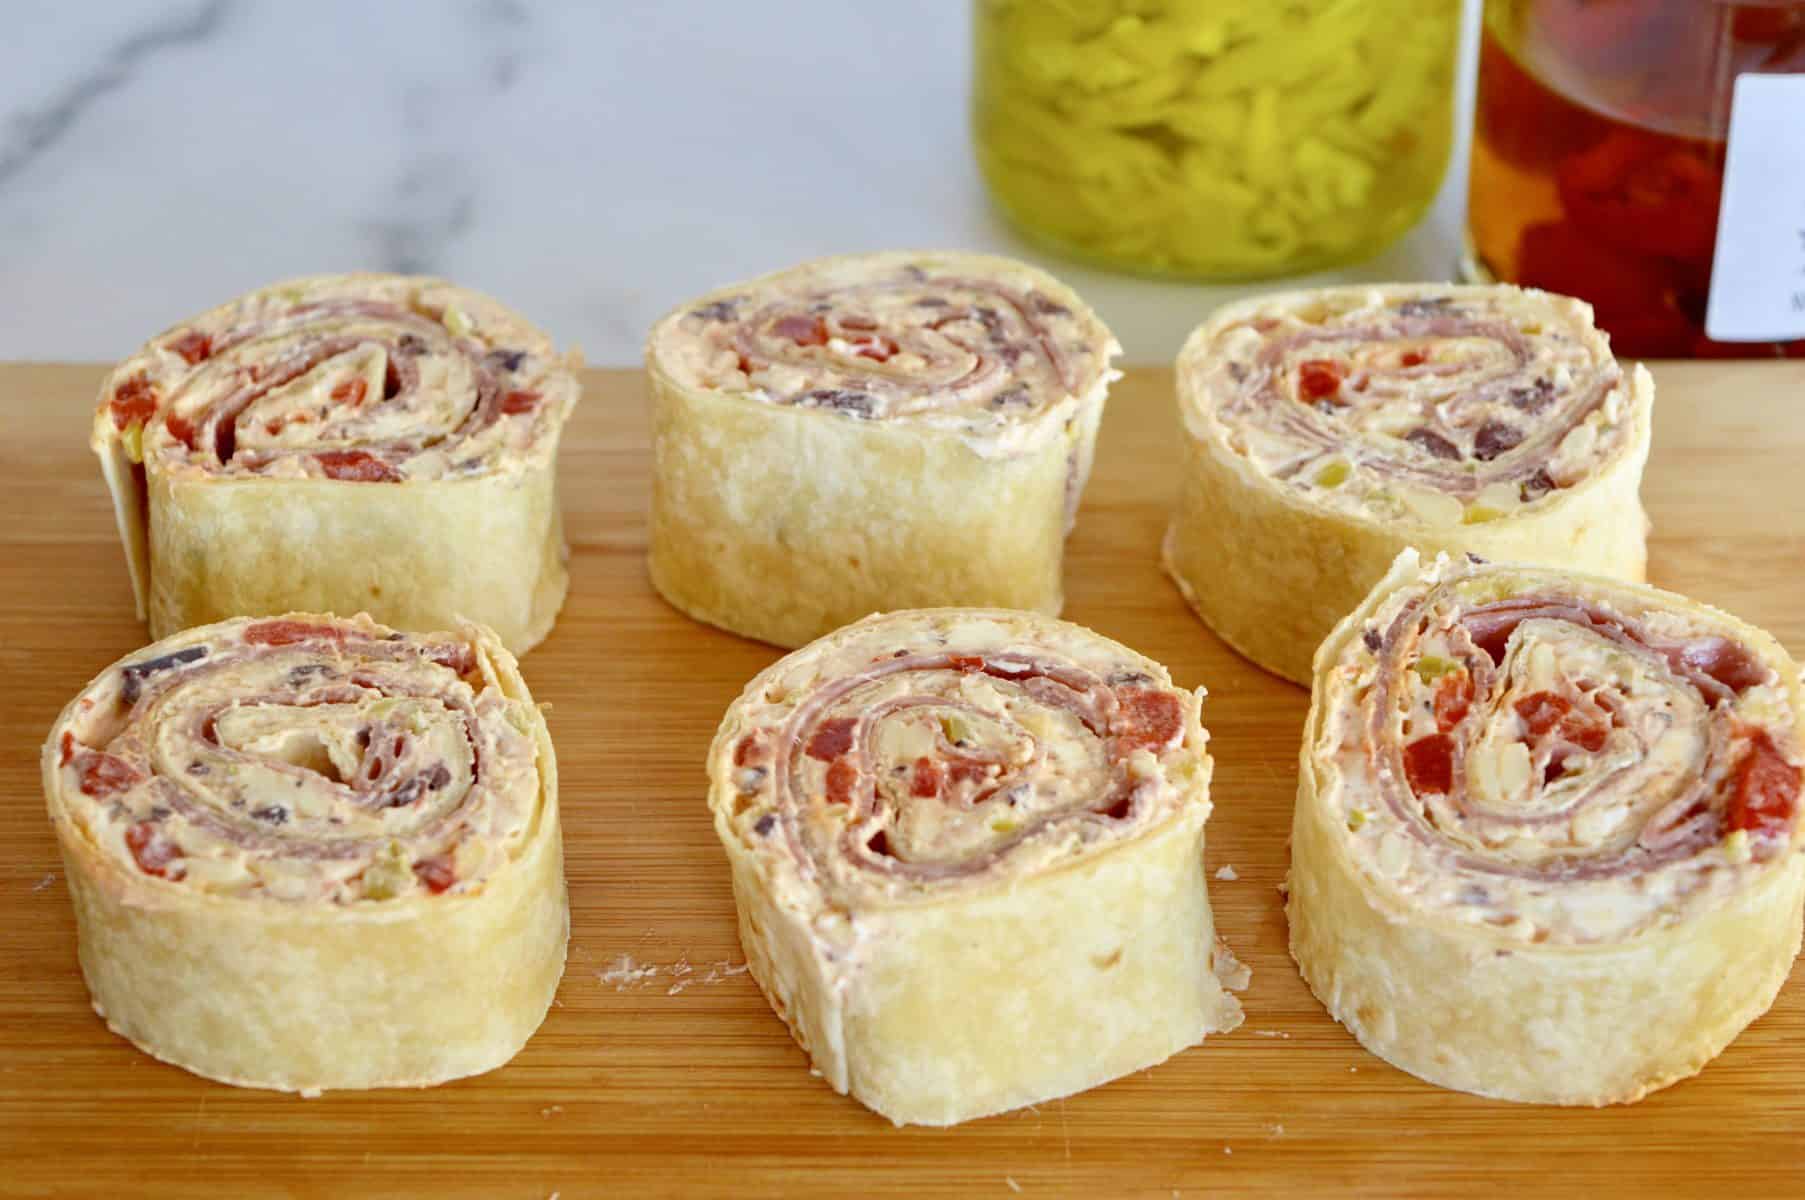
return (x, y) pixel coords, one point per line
(1214, 138)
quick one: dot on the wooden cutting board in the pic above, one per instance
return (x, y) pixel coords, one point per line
(661, 1072)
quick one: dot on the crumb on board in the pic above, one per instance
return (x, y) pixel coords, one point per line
(551, 1110)
(1227, 873)
(1234, 974)
(1275, 1130)
(45, 882)
(1013, 1185)
(626, 972)
(1271, 1033)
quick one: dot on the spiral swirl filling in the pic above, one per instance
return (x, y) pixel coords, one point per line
(935, 767)
(1521, 758)
(894, 342)
(1489, 405)
(399, 384)
(305, 761)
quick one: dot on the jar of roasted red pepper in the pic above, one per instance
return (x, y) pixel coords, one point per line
(1648, 156)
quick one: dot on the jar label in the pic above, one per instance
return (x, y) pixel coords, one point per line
(1758, 273)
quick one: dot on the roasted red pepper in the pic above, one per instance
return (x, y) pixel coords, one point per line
(1318, 379)
(1764, 791)
(832, 739)
(134, 400)
(1429, 764)
(1148, 720)
(1453, 697)
(151, 850)
(355, 466)
(194, 346)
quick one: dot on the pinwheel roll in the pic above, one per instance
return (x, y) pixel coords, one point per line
(1547, 844)
(967, 852)
(310, 853)
(1328, 430)
(869, 433)
(341, 444)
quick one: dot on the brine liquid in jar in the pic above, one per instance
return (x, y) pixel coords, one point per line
(1611, 140)
(1214, 139)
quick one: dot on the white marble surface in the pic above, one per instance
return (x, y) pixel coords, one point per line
(591, 163)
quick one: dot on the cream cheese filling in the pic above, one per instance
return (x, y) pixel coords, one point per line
(1576, 779)
(358, 378)
(899, 761)
(982, 346)
(339, 767)
(1437, 407)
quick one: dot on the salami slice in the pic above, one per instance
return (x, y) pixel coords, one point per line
(310, 853)
(1547, 843)
(967, 852)
(1327, 430)
(343, 443)
(872, 432)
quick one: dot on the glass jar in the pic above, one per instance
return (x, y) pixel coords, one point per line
(1599, 167)
(1214, 139)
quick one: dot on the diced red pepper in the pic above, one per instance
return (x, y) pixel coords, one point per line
(832, 739)
(1412, 358)
(878, 349)
(1453, 697)
(179, 429)
(151, 850)
(750, 752)
(355, 466)
(194, 346)
(804, 331)
(1765, 790)
(134, 400)
(516, 402)
(968, 770)
(1429, 764)
(104, 774)
(350, 391)
(68, 748)
(1318, 379)
(436, 873)
(1148, 719)
(1542, 711)
(927, 777)
(840, 778)
(1587, 735)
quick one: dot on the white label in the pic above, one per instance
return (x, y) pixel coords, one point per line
(1758, 274)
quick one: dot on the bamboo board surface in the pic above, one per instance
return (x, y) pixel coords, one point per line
(661, 1071)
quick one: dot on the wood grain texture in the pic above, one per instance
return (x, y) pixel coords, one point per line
(683, 1083)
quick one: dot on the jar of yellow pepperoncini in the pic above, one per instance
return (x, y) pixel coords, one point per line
(1214, 139)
